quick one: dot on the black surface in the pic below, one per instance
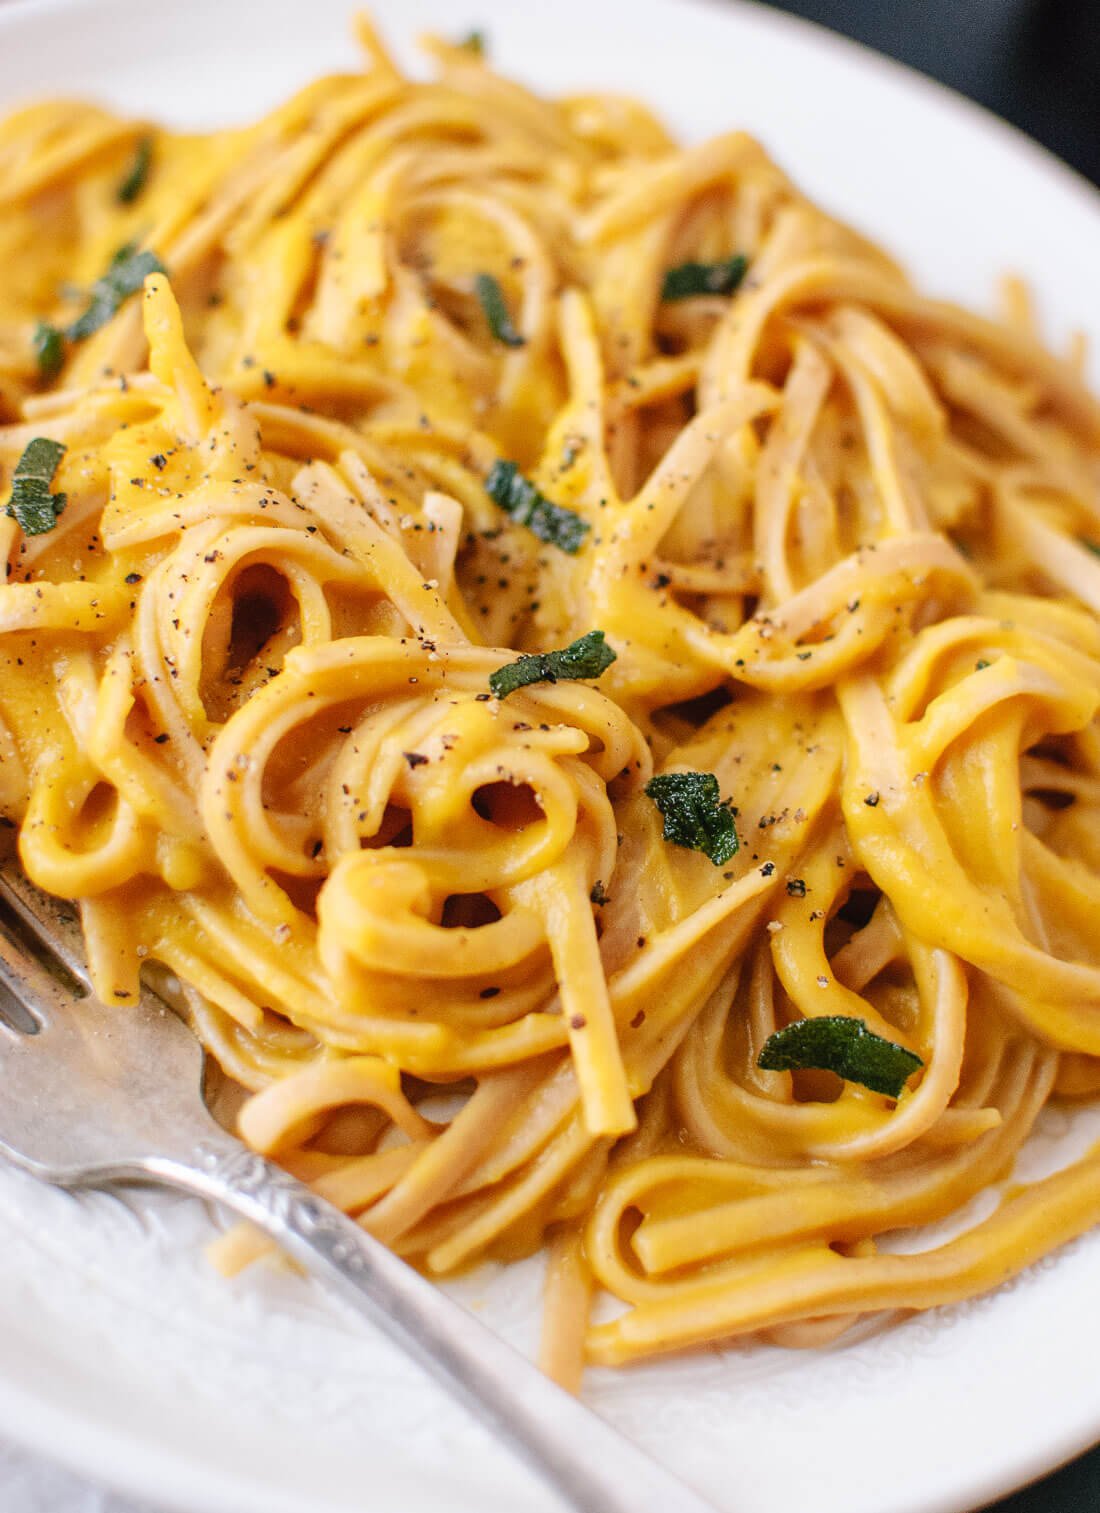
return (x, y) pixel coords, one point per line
(1037, 64)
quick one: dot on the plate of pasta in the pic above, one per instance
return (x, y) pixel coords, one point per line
(542, 620)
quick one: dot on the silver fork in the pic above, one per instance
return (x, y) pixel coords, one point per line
(91, 1096)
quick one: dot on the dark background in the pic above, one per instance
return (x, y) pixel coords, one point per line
(1037, 64)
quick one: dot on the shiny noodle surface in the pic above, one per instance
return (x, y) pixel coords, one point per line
(843, 541)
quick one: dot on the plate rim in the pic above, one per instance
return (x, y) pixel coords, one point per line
(121, 1458)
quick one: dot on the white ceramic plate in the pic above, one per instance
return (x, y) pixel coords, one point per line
(119, 1352)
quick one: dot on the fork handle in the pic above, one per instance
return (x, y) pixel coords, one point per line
(590, 1464)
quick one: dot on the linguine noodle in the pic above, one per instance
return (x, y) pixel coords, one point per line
(842, 541)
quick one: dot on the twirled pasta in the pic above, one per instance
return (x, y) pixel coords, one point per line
(841, 539)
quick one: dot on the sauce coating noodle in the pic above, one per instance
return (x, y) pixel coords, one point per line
(842, 540)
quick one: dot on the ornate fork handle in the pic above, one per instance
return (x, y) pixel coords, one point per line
(589, 1463)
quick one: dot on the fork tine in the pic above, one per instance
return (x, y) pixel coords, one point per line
(49, 927)
(88, 1090)
(15, 1017)
(29, 992)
